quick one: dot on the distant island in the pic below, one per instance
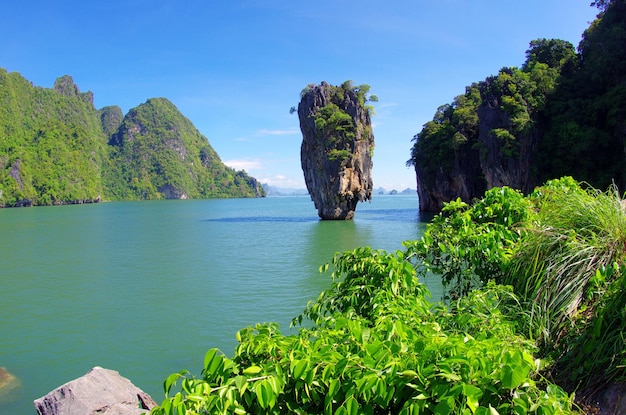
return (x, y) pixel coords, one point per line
(57, 148)
(286, 191)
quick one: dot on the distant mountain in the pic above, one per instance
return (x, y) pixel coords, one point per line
(157, 152)
(383, 191)
(283, 191)
(57, 148)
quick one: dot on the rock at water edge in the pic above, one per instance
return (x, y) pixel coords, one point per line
(101, 391)
(8, 385)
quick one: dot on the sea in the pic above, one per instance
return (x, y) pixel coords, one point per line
(146, 288)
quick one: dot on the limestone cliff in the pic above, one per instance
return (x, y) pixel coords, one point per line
(562, 113)
(486, 138)
(337, 146)
(158, 153)
(504, 161)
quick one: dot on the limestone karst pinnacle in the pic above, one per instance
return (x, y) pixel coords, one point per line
(337, 147)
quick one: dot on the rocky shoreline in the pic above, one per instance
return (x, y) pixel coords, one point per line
(99, 392)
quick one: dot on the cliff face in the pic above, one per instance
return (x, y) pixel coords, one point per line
(490, 157)
(464, 180)
(504, 163)
(562, 113)
(337, 146)
(486, 138)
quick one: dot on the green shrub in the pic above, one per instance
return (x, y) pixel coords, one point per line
(562, 251)
(375, 345)
(469, 245)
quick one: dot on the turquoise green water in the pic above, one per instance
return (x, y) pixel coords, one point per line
(145, 288)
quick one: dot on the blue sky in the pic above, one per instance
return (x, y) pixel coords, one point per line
(234, 68)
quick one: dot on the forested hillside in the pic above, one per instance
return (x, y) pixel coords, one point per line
(56, 148)
(561, 113)
(158, 152)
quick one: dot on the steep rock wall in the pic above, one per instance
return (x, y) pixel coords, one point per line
(503, 163)
(336, 151)
(484, 139)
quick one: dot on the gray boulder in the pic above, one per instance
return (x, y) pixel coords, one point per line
(100, 391)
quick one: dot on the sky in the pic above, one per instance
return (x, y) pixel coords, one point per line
(236, 67)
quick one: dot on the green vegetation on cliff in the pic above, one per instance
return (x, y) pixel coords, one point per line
(561, 113)
(51, 144)
(585, 116)
(335, 125)
(56, 148)
(157, 152)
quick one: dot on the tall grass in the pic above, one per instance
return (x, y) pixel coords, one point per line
(561, 269)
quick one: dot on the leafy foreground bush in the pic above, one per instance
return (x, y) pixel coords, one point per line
(563, 251)
(374, 344)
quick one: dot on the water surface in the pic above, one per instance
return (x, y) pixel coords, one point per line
(145, 288)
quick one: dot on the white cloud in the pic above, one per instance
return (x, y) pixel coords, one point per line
(244, 164)
(280, 180)
(278, 132)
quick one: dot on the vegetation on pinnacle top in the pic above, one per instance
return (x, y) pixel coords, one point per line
(334, 124)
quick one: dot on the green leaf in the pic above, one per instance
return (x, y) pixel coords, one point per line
(252, 370)
(453, 377)
(511, 377)
(352, 405)
(299, 368)
(240, 382)
(443, 408)
(171, 381)
(473, 395)
(261, 394)
(212, 360)
(333, 387)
